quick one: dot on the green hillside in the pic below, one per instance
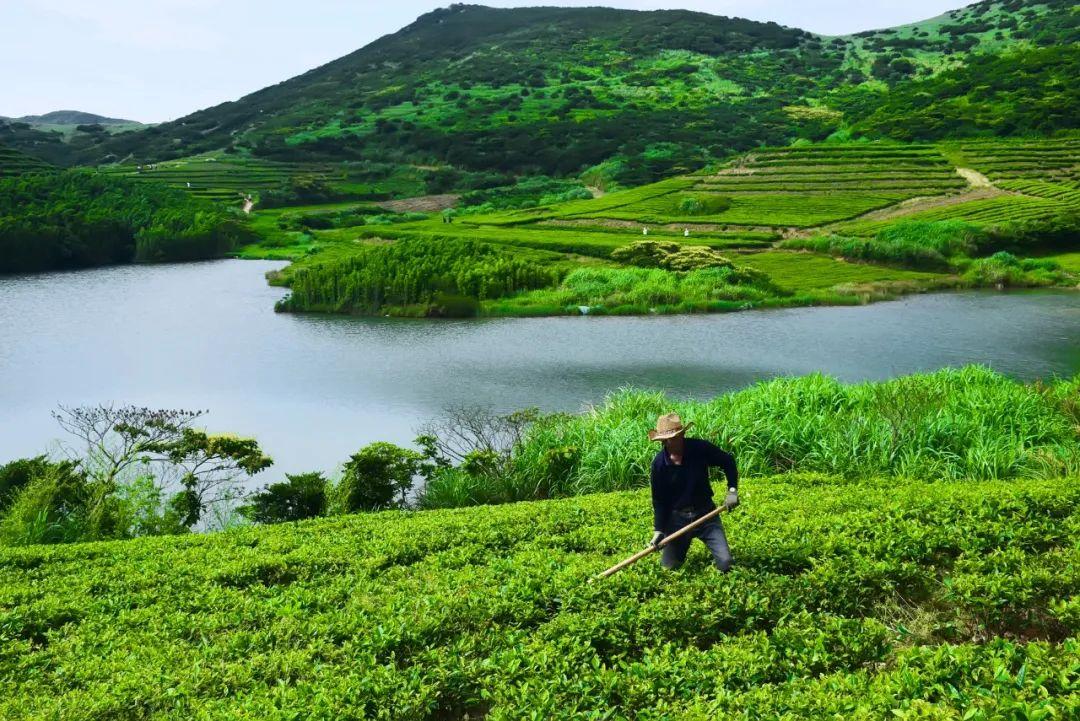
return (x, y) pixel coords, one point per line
(856, 600)
(13, 162)
(635, 96)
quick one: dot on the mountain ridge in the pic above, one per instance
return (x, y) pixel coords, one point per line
(70, 117)
(565, 91)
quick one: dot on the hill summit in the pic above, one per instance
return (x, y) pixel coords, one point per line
(71, 117)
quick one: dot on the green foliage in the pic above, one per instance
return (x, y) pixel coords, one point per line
(14, 476)
(379, 476)
(469, 97)
(81, 218)
(1025, 91)
(13, 162)
(298, 497)
(412, 272)
(59, 505)
(624, 291)
(129, 460)
(302, 190)
(1003, 269)
(856, 600)
(682, 258)
(448, 305)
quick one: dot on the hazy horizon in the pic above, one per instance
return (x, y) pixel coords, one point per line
(160, 61)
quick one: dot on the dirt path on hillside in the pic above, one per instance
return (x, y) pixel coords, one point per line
(974, 178)
(927, 202)
(422, 204)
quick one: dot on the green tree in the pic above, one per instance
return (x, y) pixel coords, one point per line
(300, 496)
(379, 476)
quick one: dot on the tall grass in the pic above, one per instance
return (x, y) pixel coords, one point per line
(957, 423)
(920, 245)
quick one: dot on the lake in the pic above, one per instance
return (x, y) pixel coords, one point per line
(314, 389)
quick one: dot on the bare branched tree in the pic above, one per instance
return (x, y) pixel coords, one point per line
(116, 439)
(201, 469)
(463, 431)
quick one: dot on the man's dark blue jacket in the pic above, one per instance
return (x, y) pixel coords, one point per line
(687, 486)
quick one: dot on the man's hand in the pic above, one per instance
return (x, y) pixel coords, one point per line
(657, 536)
(732, 499)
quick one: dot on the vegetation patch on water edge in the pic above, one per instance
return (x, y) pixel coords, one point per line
(858, 599)
(79, 218)
(454, 277)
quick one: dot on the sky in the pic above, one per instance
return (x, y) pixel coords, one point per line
(156, 60)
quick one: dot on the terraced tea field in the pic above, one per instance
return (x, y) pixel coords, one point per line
(1055, 159)
(1004, 208)
(1019, 182)
(224, 179)
(14, 162)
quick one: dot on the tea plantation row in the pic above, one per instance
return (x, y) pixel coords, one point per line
(860, 600)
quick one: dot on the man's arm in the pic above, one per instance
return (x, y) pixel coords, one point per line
(659, 501)
(719, 457)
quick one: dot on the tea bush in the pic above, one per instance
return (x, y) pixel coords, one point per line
(857, 600)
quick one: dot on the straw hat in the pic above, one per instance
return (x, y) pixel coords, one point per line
(668, 426)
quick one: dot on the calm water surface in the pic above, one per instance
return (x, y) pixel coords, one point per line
(314, 389)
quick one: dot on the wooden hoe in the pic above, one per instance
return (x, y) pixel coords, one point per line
(666, 540)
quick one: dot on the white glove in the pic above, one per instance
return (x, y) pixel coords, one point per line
(657, 536)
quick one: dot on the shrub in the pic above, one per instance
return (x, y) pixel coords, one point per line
(448, 305)
(54, 507)
(379, 476)
(79, 218)
(701, 204)
(936, 245)
(645, 253)
(1004, 269)
(299, 497)
(670, 255)
(967, 422)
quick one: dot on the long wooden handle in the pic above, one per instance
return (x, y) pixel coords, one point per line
(667, 539)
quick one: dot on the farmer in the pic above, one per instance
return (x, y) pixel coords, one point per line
(681, 492)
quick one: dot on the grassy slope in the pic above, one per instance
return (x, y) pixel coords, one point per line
(934, 599)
